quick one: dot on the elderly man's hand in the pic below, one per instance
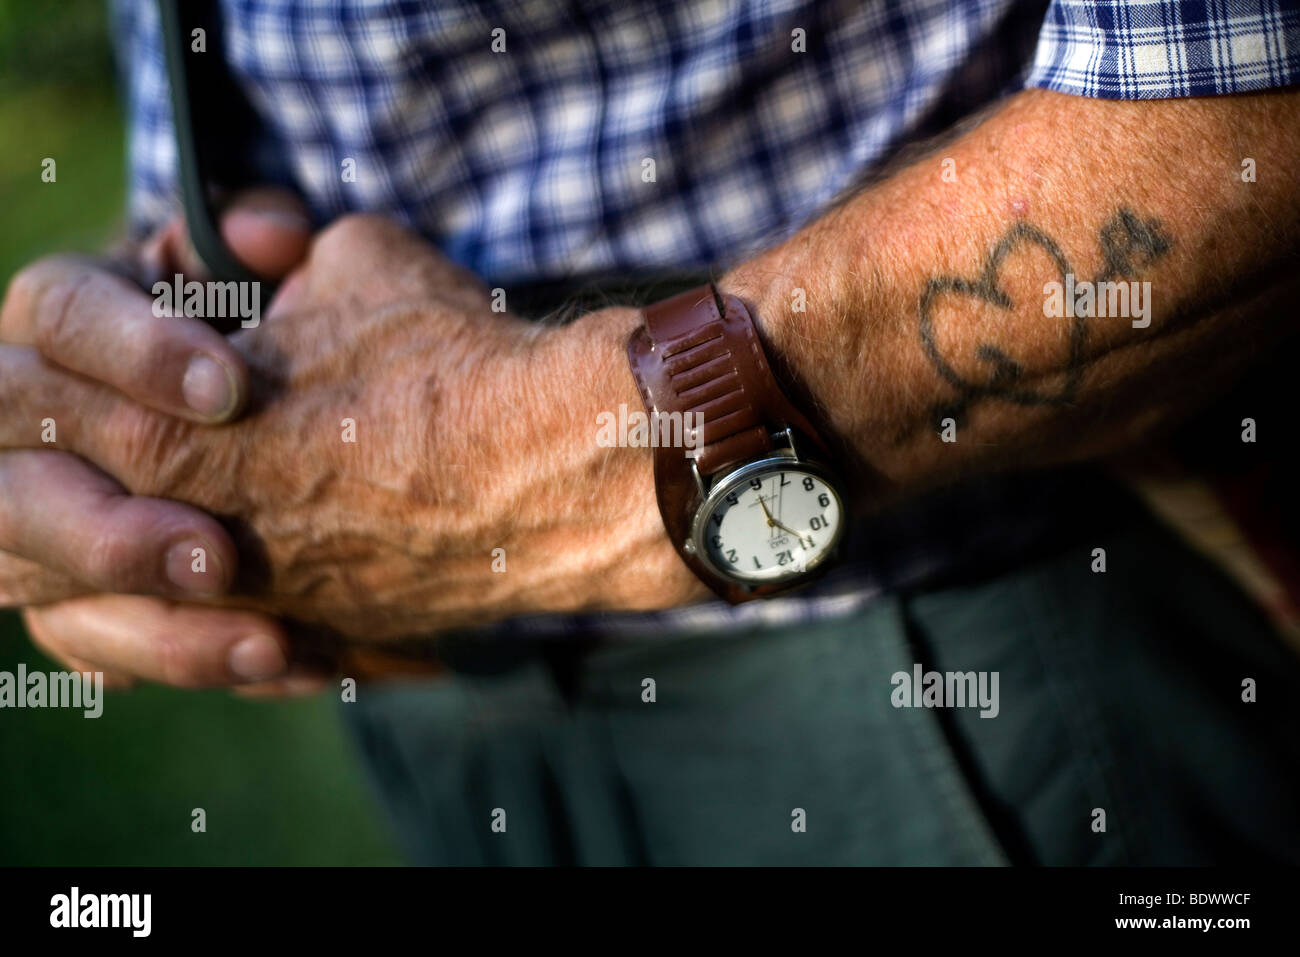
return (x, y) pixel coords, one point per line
(400, 432)
(66, 528)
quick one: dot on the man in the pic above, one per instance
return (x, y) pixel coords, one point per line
(415, 461)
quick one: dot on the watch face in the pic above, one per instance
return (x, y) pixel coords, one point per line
(770, 522)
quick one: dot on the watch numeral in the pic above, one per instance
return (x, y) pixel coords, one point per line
(817, 523)
(824, 500)
(784, 481)
(784, 557)
(731, 555)
(717, 541)
(807, 484)
(756, 484)
(757, 563)
(732, 499)
(717, 517)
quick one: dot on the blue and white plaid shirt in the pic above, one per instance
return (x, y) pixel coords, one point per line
(527, 165)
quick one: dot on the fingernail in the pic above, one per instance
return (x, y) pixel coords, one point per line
(284, 218)
(193, 567)
(257, 658)
(208, 387)
(266, 216)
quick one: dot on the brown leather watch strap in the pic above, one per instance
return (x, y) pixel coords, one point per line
(699, 352)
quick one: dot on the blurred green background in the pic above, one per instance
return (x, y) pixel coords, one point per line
(277, 779)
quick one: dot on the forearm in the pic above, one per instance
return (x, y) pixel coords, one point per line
(907, 330)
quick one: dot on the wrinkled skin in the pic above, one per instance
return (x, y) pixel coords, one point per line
(474, 431)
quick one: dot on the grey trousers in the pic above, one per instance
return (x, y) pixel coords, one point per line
(1121, 734)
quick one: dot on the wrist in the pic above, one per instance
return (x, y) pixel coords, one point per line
(811, 342)
(583, 387)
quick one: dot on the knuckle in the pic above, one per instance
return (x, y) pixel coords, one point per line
(113, 561)
(29, 284)
(344, 235)
(20, 299)
(21, 291)
(65, 299)
(360, 225)
(157, 448)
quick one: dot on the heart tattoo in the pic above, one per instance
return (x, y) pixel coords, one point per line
(1128, 244)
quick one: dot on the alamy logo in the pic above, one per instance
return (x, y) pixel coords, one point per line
(74, 909)
(946, 689)
(1083, 299)
(209, 300)
(637, 430)
(57, 689)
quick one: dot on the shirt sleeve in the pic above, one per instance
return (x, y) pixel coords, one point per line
(1153, 49)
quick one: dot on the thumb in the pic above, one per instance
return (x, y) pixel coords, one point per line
(268, 230)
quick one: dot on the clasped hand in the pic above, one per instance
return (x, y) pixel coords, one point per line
(384, 456)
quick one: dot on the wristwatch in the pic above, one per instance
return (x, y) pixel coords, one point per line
(753, 505)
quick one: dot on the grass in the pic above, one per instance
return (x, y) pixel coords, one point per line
(82, 132)
(276, 780)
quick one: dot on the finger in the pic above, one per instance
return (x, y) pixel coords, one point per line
(148, 452)
(267, 229)
(64, 514)
(41, 402)
(48, 642)
(183, 645)
(26, 583)
(96, 323)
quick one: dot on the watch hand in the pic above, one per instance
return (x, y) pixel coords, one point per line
(771, 522)
(789, 530)
(776, 522)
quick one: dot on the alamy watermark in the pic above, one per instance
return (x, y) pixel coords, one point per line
(209, 300)
(639, 430)
(55, 689)
(1085, 299)
(133, 912)
(946, 689)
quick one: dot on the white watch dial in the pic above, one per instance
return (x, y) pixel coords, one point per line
(772, 526)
